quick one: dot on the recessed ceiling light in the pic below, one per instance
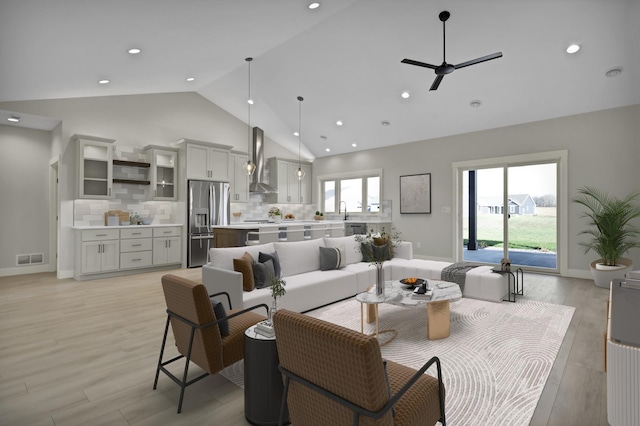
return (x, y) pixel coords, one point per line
(296, 134)
(314, 5)
(573, 48)
(405, 95)
(134, 51)
(327, 149)
(339, 123)
(103, 81)
(475, 104)
(250, 101)
(614, 72)
(385, 123)
(354, 145)
(190, 79)
(13, 119)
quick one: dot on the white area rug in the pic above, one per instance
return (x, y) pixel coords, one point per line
(495, 362)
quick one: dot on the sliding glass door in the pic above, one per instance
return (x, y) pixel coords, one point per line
(510, 212)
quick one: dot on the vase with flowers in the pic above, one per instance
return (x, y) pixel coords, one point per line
(275, 214)
(376, 248)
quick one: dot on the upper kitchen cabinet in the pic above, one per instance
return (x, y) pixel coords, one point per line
(240, 181)
(95, 166)
(164, 173)
(207, 161)
(282, 176)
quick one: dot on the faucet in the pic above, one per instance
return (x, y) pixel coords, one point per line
(346, 216)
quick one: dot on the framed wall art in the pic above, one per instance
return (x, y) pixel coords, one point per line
(415, 194)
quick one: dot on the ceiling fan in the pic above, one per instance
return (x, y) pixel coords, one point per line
(445, 68)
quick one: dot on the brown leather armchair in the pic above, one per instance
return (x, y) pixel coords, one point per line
(336, 376)
(197, 333)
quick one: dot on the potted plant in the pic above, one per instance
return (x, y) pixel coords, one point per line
(276, 285)
(275, 214)
(318, 216)
(611, 231)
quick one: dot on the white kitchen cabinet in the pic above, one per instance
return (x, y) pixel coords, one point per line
(240, 181)
(136, 245)
(100, 251)
(208, 161)
(95, 166)
(282, 176)
(166, 245)
(163, 174)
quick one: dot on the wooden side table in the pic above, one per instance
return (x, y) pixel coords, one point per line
(263, 387)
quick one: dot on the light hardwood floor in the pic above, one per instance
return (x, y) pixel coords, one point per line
(84, 353)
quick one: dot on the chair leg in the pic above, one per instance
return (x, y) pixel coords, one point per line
(183, 384)
(164, 341)
(283, 404)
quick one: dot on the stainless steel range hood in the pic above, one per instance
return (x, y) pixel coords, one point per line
(258, 185)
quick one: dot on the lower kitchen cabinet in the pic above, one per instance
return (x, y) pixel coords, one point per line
(103, 252)
(100, 256)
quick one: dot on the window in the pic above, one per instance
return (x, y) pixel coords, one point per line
(359, 194)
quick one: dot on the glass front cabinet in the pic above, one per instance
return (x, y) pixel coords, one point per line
(95, 166)
(164, 173)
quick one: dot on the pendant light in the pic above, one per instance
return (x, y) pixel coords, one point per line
(299, 172)
(249, 167)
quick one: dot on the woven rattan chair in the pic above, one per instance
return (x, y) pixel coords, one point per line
(196, 332)
(336, 376)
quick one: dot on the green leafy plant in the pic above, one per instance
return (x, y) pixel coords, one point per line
(612, 233)
(274, 211)
(277, 287)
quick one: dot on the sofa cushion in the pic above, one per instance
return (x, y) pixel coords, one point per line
(332, 258)
(223, 257)
(298, 257)
(245, 266)
(351, 247)
(263, 257)
(375, 253)
(262, 273)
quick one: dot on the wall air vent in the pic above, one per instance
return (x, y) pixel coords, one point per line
(29, 259)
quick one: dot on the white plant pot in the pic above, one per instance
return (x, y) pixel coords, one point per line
(277, 218)
(603, 274)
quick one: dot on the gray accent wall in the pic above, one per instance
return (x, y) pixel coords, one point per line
(24, 195)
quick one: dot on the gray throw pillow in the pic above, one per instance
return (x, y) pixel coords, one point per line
(262, 273)
(263, 257)
(332, 258)
(220, 312)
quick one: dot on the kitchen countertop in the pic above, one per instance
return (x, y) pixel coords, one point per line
(284, 223)
(153, 225)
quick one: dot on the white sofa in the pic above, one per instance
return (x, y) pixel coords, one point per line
(307, 287)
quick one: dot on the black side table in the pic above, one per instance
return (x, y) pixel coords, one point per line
(263, 386)
(516, 282)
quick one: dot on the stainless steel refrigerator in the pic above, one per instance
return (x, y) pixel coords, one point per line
(209, 205)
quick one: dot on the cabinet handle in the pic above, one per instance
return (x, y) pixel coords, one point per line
(136, 245)
(166, 232)
(136, 260)
(101, 235)
(136, 233)
(169, 241)
(165, 243)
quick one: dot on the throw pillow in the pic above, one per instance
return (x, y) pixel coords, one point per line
(245, 265)
(218, 309)
(382, 252)
(262, 273)
(263, 257)
(332, 258)
(367, 252)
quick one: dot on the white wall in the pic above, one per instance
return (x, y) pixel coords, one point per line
(604, 151)
(24, 196)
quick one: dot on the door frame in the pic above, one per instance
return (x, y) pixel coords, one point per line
(559, 157)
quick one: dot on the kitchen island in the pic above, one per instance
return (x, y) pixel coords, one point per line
(235, 234)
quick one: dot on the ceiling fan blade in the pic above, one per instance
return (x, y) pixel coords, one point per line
(417, 63)
(478, 60)
(436, 82)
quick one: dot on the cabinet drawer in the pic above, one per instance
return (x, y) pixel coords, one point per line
(136, 233)
(137, 244)
(169, 231)
(138, 259)
(100, 234)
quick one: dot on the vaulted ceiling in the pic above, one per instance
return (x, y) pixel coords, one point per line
(343, 58)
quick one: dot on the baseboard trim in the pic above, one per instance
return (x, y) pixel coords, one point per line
(65, 274)
(23, 270)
